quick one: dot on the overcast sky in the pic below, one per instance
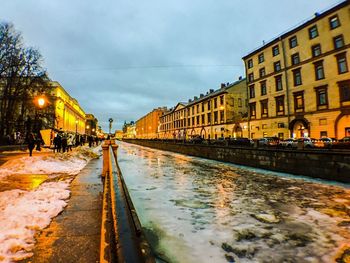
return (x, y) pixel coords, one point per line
(122, 58)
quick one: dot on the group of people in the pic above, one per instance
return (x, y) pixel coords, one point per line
(62, 142)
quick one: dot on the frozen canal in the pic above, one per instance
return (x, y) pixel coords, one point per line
(197, 210)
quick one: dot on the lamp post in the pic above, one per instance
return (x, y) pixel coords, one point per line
(110, 126)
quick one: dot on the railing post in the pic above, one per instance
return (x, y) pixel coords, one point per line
(115, 149)
(105, 151)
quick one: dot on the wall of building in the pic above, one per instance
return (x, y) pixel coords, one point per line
(319, 164)
(313, 119)
(68, 113)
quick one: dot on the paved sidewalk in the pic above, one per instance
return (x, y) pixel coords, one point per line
(74, 235)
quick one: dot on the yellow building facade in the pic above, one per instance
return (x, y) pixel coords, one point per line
(147, 127)
(69, 116)
(299, 83)
(217, 113)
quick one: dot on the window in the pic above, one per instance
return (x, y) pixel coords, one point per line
(263, 88)
(319, 71)
(344, 90)
(197, 119)
(297, 77)
(208, 105)
(299, 101)
(203, 119)
(209, 118)
(252, 110)
(215, 117)
(342, 63)
(262, 72)
(250, 77)
(250, 63)
(275, 50)
(321, 97)
(316, 50)
(261, 58)
(222, 116)
(334, 22)
(293, 42)
(202, 106)
(251, 91)
(280, 125)
(215, 103)
(323, 134)
(280, 105)
(197, 108)
(278, 83)
(239, 102)
(277, 66)
(338, 42)
(193, 121)
(221, 100)
(295, 59)
(313, 32)
(264, 108)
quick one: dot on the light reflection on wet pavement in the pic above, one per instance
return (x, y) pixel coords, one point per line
(197, 210)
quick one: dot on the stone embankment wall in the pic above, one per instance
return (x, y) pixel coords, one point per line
(325, 164)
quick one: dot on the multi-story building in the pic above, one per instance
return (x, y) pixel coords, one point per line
(68, 114)
(173, 122)
(217, 113)
(91, 126)
(147, 126)
(129, 130)
(299, 83)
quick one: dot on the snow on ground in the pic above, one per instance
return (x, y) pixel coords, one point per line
(68, 163)
(22, 213)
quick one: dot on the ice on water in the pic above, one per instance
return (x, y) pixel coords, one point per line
(197, 210)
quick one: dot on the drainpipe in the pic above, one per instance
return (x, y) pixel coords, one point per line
(247, 101)
(287, 83)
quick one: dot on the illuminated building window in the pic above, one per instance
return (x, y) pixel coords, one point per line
(299, 101)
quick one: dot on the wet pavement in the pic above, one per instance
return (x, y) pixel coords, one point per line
(198, 210)
(74, 235)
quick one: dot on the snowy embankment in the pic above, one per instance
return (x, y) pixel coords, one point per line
(22, 213)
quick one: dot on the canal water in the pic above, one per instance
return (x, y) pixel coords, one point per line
(198, 210)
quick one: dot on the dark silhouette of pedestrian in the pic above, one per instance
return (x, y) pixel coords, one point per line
(64, 143)
(91, 140)
(57, 141)
(31, 143)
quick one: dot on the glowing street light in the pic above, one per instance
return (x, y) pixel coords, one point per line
(41, 102)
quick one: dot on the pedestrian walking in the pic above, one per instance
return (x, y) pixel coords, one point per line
(64, 142)
(91, 140)
(57, 142)
(70, 142)
(31, 143)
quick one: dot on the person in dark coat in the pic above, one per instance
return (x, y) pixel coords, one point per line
(31, 143)
(64, 143)
(57, 141)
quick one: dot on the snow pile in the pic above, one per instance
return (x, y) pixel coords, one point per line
(23, 212)
(67, 163)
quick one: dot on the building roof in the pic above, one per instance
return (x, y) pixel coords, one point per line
(317, 16)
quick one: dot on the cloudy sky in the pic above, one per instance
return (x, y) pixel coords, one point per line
(122, 58)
